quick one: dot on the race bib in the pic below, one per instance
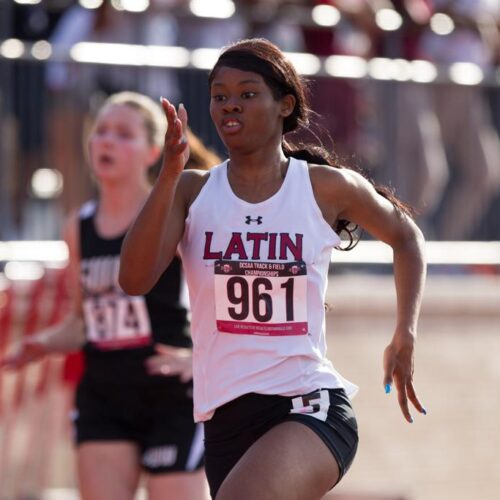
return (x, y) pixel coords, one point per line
(261, 298)
(115, 321)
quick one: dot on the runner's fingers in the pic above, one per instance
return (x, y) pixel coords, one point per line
(173, 132)
(175, 140)
(186, 376)
(172, 370)
(403, 398)
(173, 351)
(171, 361)
(389, 366)
(164, 367)
(156, 361)
(176, 123)
(183, 116)
(169, 364)
(163, 349)
(412, 396)
(27, 353)
(170, 113)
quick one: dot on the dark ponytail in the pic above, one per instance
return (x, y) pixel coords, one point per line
(318, 154)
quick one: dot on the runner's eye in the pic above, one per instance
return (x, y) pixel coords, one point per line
(123, 134)
(100, 131)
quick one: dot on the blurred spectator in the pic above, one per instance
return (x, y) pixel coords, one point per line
(341, 101)
(269, 19)
(414, 150)
(68, 103)
(22, 109)
(438, 144)
(471, 142)
(74, 86)
(209, 32)
(155, 26)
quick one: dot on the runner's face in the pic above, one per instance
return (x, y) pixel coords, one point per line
(244, 110)
(118, 144)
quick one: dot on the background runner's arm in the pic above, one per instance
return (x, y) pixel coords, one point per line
(69, 334)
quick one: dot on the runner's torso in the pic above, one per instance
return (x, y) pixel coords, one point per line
(257, 276)
(121, 330)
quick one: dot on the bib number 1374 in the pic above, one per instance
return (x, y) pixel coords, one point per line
(261, 298)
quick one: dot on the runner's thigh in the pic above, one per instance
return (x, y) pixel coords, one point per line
(108, 470)
(289, 462)
(178, 485)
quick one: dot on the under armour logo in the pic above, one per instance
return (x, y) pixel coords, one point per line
(249, 220)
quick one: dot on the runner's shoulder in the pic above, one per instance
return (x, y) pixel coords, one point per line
(191, 183)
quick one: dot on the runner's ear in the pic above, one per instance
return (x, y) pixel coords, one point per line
(287, 105)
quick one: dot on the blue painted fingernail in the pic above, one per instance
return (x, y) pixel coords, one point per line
(387, 388)
(424, 411)
(411, 420)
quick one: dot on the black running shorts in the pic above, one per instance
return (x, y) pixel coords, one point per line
(236, 425)
(160, 422)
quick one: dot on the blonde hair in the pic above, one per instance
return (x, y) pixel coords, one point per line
(155, 122)
(200, 157)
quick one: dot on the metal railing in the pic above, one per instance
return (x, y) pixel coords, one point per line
(384, 116)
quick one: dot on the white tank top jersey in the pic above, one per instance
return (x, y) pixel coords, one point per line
(257, 276)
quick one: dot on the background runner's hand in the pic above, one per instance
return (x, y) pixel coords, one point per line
(176, 149)
(171, 361)
(398, 368)
(31, 349)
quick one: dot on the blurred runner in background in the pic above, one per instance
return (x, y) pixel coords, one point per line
(134, 408)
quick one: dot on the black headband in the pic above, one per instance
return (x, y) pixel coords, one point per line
(247, 61)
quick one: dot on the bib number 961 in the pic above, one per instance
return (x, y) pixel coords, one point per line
(261, 298)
